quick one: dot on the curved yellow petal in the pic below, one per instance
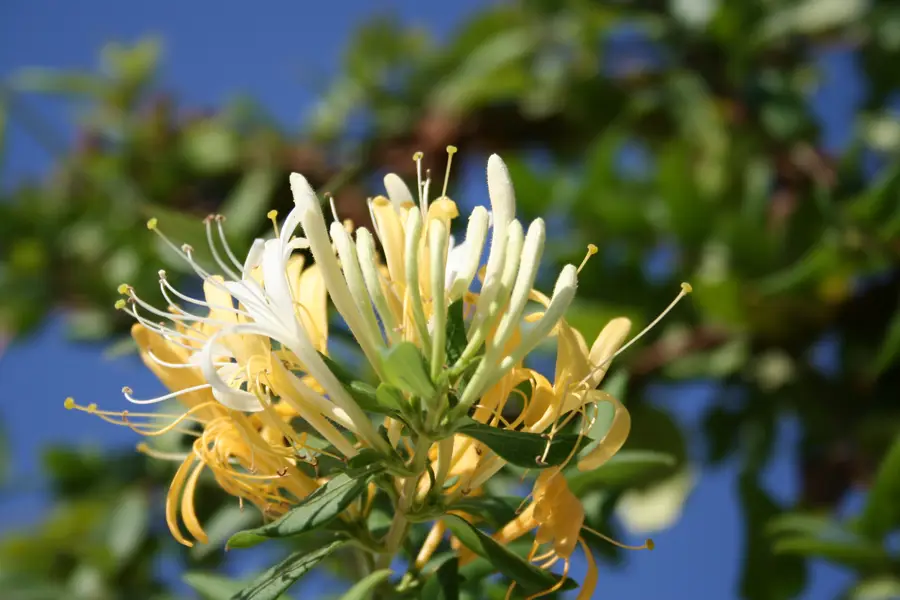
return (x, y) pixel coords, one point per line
(614, 438)
(173, 497)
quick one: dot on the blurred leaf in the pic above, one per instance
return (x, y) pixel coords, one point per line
(222, 525)
(128, 524)
(765, 576)
(211, 586)
(245, 209)
(627, 468)
(801, 523)
(52, 81)
(364, 588)
(877, 588)
(889, 351)
(210, 146)
(658, 506)
(272, 582)
(846, 552)
(881, 514)
(812, 16)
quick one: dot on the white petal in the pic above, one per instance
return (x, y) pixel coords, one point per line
(397, 190)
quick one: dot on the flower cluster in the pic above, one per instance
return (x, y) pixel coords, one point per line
(445, 334)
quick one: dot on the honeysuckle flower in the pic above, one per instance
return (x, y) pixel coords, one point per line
(253, 359)
(252, 456)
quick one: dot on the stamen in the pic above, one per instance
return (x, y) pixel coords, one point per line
(215, 252)
(417, 157)
(591, 250)
(334, 213)
(425, 188)
(647, 545)
(451, 150)
(219, 220)
(273, 216)
(127, 391)
(686, 289)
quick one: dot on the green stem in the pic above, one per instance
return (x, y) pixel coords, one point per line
(399, 525)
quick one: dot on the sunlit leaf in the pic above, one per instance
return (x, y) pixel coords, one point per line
(528, 576)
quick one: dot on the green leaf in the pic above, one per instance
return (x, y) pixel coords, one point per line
(272, 582)
(314, 511)
(765, 575)
(389, 397)
(404, 368)
(877, 588)
(444, 584)
(456, 332)
(801, 523)
(530, 577)
(850, 552)
(521, 448)
(58, 82)
(215, 587)
(889, 351)
(364, 588)
(881, 514)
(495, 510)
(226, 522)
(245, 208)
(627, 468)
(128, 524)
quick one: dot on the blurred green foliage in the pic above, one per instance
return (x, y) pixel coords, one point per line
(672, 133)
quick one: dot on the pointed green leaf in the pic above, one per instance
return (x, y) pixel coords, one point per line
(128, 524)
(850, 552)
(404, 368)
(444, 584)
(316, 510)
(215, 587)
(881, 515)
(521, 448)
(627, 468)
(496, 511)
(530, 577)
(272, 582)
(365, 587)
(389, 397)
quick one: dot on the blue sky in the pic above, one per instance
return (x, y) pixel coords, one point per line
(214, 51)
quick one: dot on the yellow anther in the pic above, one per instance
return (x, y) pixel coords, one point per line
(273, 216)
(591, 250)
(451, 150)
(120, 304)
(92, 408)
(686, 287)
(123, 288)
(152, 223)
(142, 447)
(418, 156)
(69, 403)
